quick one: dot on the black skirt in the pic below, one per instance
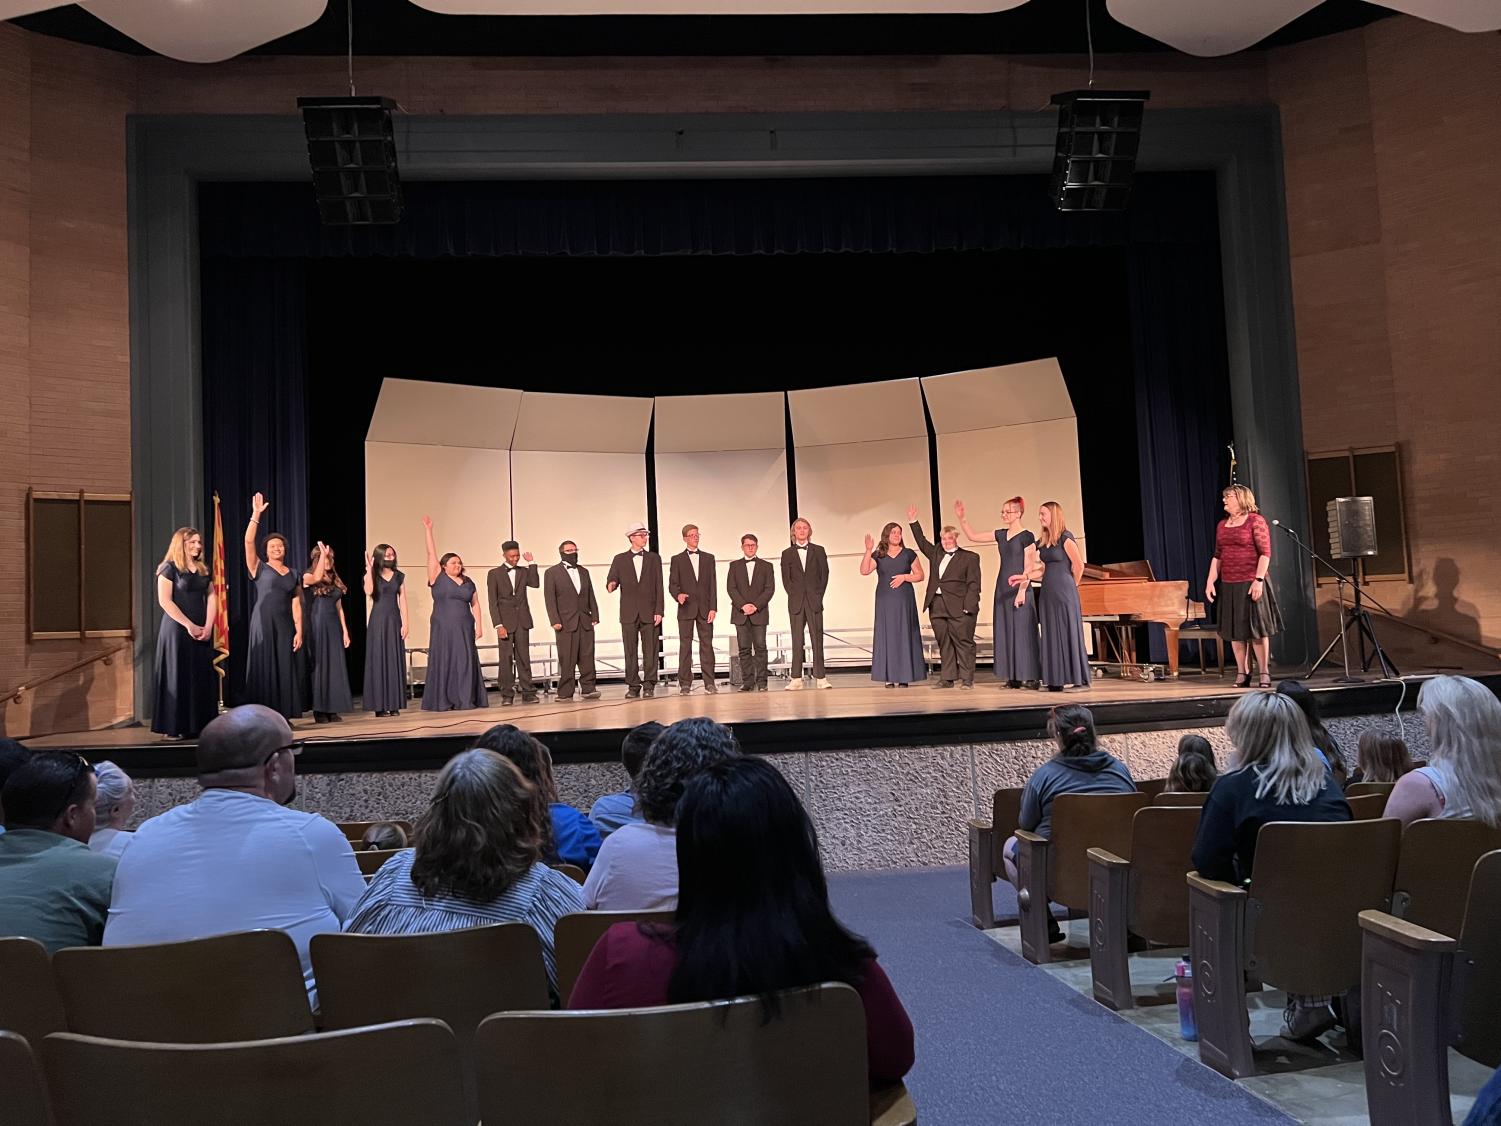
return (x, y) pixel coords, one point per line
(1241, 619)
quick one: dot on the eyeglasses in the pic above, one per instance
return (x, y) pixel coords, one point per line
(295, 747)
(81, 766)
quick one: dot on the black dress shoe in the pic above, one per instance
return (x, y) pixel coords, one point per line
(633, 693)
(760, 688)
(528, 699)
(649, 692)
(590, 696)
(967, 687)
(747, 688)
(506, 701)
(1013, 684)
(943, 684)
(685, 691)
(710, 686)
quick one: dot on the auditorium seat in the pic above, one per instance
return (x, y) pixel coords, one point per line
(729, 1064)
(1152, 786)
(573, 872)
(1143, 896)
(244, 986)
(1433, 871)
(577, 932)
(1423, 992)
(1296, 925)
(371, 859)
(1181, 799)
(1057, 870)
(1366, 806)
(1360, 789)
(23, 1093)
(355, 830)
(390, 1075)
(29, 1004)
(986, 839)
(459, 977)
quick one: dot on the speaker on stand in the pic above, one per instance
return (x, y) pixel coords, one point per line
(1352, 536)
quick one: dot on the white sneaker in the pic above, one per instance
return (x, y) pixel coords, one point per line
(795, 685)
(822, 682)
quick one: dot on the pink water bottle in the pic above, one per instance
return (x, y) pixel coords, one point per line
(1187, 1027)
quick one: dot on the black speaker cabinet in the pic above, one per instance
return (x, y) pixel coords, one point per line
(351, 146)
(1094, 162)
(1352, 527)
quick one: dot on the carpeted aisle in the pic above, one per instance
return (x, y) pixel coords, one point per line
(999, 1041)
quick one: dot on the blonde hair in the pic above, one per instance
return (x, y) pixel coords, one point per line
(1463, 719)
(792, 528)
(1272, 739)
(1054, 531)
(177, 552)
(948, 530)
(688, 528)
(1243, 496)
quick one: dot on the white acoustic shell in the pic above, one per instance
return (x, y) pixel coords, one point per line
(205, 31)
(1208, 27)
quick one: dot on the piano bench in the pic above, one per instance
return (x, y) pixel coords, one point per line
(1203, 632)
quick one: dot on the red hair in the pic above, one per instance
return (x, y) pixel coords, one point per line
(1021, 504)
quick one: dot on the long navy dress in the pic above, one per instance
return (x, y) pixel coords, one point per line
(385, 652)
(325, 640)
(1015, 626)
(896, 655)
(454, 680)
(270, 668)
(1064, 660)
(187, 688)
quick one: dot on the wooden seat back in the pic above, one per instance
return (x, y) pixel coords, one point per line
(1477, 1032)
(29, 1004)
(389, 1075)
(1361, 789)
(1309, 883)
(577, 932)
(1082, 822)
(573, 872)
(1182, 799)
(23, 1094)
(1162, 841)
(1152, 786)
(244, 986)
(1365, 807)
(371, 859)
(355, 831)
(1434, 870)
(1005, 812)
(729, 1063)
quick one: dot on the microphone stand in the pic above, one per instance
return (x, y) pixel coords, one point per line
(1341, 578)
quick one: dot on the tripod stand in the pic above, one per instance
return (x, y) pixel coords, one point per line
(1355, 617)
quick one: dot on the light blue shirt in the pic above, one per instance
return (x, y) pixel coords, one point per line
(612, 811)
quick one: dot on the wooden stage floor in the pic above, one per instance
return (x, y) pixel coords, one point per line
(854, 713)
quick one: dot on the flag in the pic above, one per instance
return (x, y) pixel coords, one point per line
(221, 596)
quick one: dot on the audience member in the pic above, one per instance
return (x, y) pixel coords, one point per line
(568, 837)
(1194, 770)
(1278, 776)
(1323, 739)
(614, 810)
(1379, 757)
(753, 917)
(115, 805)
(478, 860)
(12, 755)
(52, 888)
(235, 858)
(1080, 766)
(1463, 774)
(637, 867)
(383, 836)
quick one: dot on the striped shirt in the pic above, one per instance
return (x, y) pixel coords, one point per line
(392, 904)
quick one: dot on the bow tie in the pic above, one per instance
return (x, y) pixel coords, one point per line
(637, 554)
(569, 567)
(950, 554)
(693, 553)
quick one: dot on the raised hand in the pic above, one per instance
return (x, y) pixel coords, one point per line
(369, 563)
(258, 504)
(911, 513)
(870, 543)
(527, 556)
(323, 549)
(959, 509)
(427, 522)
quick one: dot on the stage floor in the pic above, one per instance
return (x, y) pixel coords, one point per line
(854, 713)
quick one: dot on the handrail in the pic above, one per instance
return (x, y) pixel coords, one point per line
(105, 655)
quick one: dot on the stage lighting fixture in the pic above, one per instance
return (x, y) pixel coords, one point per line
(1099, 132)
(352, 149)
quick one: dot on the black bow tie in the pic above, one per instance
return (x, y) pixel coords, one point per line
(950, 554)
(637, 554)
(693, 553)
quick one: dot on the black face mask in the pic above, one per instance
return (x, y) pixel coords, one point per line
(388, 564)
(570, 557)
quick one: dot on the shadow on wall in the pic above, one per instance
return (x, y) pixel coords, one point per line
(1440, 609)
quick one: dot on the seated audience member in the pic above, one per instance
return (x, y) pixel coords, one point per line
(1379, 757)
(477, 861)
(1194, 770)
(383, 836)
(1081, 766)
(751, 919)
(614, 810)
(235, 858)
(12, 755)
(568, 837)
(115, 804)
(1463, 774)
(1323, 739)
(1278, 776)
(52, 887)
(637, 867)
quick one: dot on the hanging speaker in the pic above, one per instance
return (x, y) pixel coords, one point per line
(1352, 527)
(1099, 132)
(352, 149)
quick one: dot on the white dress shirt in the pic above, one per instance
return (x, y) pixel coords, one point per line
(693, 562)
(573, 574)
(802, 555)
(636, 560)
(943, 566)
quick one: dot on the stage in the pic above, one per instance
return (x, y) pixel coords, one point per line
(855, 714)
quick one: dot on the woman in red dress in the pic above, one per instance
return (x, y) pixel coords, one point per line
(1248, 611)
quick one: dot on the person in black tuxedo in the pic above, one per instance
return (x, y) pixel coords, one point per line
(691, 583)
(952, 602)
(751, 584)
(574, 613)
(637, 574)
(512, 615)
(805, 576)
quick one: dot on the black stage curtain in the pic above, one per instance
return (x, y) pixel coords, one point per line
(257, 240)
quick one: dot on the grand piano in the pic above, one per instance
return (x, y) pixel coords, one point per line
(1127, 594)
